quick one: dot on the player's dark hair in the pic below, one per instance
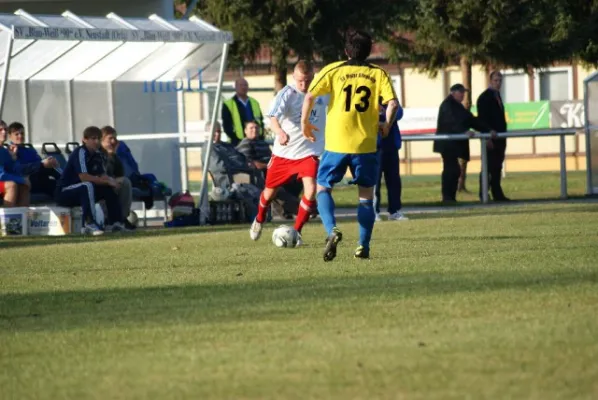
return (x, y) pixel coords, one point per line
(253, 121)
(358, 45)
(108, 130)
(92, 132)
(3, 124)
(494, 73)
(15, 127)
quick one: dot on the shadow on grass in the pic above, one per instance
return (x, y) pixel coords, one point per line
(252, 301)
(459, 211)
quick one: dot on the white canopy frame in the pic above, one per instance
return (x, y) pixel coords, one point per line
(74, 48)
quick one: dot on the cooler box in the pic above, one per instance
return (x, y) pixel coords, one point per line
(49, 221)
(13, 221)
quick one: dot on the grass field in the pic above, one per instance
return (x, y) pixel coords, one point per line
(481, 304)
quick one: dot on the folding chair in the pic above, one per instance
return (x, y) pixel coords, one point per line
(50, 149)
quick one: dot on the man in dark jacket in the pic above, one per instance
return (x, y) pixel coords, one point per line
(115, 169)
(491, 110)
(226, 161)
(453, 118)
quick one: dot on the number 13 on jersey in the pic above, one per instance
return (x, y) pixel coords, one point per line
(360, 99)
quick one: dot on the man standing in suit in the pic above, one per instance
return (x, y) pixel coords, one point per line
(453, 118)
(491, 110)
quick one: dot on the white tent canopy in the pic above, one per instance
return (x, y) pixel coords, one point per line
(70, 47)
(61, 73)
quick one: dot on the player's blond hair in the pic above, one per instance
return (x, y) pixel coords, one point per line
(303, 67)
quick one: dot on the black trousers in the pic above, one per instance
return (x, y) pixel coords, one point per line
(44, 181)
(496, 157)
(450, 177)
(85, 195)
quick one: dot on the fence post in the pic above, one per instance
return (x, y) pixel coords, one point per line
(563, 157)
(484, 168)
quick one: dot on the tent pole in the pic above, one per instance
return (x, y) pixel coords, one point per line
(204, 207)
(4, 83)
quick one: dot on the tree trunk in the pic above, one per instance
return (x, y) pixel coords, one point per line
(280, 68)
(466, 77)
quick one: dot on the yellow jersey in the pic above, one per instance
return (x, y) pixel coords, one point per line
(355, 89)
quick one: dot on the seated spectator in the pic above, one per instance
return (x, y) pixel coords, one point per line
(115, 169)
(43, 181)
(84, 182)
(15, 187)
(146, 182)
(255, 150)
(225, 160)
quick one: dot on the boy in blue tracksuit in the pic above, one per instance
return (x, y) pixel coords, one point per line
(388, 154)
(42, 181)
(84, 182)
(14, 185)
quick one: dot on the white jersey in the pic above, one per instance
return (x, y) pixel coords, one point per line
(287, 109)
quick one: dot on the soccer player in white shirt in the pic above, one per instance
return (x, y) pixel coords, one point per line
(293, 154)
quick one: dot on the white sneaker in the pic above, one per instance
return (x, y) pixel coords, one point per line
(255, 231)
(378, 217)
(299, 240)
(91, 229)
(398, 216)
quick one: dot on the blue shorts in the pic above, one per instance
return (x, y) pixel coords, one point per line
(333, 167)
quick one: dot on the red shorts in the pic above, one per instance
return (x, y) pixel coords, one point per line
(2, 188)
(282, 170)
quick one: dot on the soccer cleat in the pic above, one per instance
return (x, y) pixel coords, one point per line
(398, 216)
(255, 231)
(92, 229)
(299, 240)
(331, 242)
(362, 252)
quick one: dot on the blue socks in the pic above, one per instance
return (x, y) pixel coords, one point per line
(326, 210)
(366, 218)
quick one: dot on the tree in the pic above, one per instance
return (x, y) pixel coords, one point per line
(304, 28)
(502, 33)
(577, 26)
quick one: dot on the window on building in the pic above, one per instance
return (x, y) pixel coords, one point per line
(554, 85)
(514, 88)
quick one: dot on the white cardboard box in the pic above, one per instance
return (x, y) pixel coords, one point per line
(49, 221)
(13, 221)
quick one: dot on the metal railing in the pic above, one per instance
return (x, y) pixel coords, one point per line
(483, 138)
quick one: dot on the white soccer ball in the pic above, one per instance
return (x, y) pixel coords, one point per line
(133, 218)
(285, 236)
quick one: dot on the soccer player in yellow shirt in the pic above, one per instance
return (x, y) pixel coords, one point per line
(351, 135)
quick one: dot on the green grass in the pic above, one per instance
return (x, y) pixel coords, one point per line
(474, 304)
(425, 190)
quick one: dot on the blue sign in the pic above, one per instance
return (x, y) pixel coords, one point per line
(177, 85)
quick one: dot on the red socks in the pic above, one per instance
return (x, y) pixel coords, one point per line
(305, 209)
(262, 209)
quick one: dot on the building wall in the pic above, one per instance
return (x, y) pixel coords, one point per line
(419, 90)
